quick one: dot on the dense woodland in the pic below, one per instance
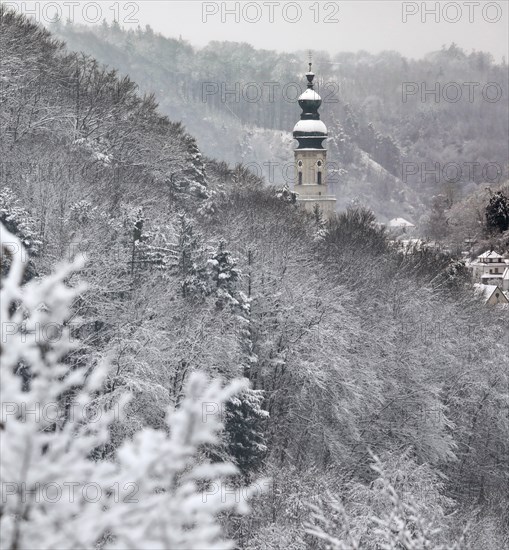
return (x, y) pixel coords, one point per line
(379, 136)
(378, 382)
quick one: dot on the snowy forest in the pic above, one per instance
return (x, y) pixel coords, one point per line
(190, 361)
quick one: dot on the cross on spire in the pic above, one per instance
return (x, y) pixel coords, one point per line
(310, 75)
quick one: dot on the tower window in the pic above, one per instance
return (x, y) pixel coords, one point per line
(319, 163)
(300, 178)
(319, 178)
(300, 163)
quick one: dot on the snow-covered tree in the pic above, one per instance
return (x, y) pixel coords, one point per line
(286, 194)
(244, 427)
(497, 213)
(19, 222)
(388, 514)
(224, 275)
(158, 492)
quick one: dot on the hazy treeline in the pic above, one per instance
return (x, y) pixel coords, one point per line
(402, 129)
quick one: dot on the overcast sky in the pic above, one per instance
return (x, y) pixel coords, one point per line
(344, 25)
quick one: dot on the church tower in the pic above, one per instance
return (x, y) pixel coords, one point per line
(310, 155)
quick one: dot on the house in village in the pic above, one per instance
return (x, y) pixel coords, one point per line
(490, 273)
(491, 294)
(399, 228)
(400, 223)
(490, 268)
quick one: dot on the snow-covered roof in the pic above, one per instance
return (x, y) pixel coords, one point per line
(314, 198)
(490, 254)
(310, 95)
(492, 276)
(505, 276)
(486, 291)
(400, 222)
(310, 127)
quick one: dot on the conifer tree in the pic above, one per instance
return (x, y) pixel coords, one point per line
(224, 275)
(189, 259)
(19, 222)
(497, 213)
(245, 423)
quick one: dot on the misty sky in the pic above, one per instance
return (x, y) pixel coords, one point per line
(372, 25)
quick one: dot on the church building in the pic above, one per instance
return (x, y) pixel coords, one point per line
(310, 155)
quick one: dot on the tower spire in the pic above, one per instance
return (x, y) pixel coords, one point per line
(310, 155)
(310, 131)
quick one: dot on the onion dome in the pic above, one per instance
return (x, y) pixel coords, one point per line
(310, 128)
(310, 101)
(310, 131)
